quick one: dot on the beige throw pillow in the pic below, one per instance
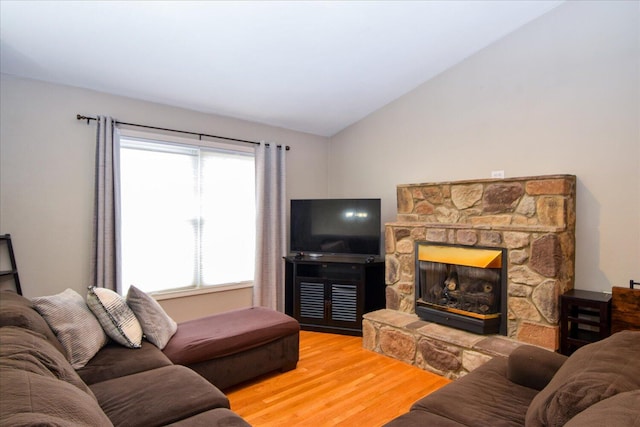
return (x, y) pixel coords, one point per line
(74, 324)
(157, 326)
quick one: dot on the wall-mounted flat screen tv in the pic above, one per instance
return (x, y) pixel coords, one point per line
(335, 226)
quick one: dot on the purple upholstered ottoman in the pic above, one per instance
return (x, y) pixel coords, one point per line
(236, 346)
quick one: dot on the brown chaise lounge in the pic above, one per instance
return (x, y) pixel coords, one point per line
(236, 346)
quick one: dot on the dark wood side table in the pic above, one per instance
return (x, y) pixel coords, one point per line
(585, 317)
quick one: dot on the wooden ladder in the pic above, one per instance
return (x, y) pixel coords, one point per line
(14, 269)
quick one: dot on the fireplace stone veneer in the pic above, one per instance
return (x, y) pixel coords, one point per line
(533, 218)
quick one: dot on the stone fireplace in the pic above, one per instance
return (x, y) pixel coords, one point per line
(530, 219)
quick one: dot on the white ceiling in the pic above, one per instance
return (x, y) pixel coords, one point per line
(311, 66)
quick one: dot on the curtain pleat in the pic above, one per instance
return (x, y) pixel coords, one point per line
(106, 217)
(271, 246)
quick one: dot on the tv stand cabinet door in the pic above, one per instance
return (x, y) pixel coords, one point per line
(310, 301)
(346, 305)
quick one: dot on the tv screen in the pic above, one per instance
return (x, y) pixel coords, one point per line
(335, 226)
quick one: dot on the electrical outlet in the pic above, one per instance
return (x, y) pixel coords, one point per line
(497, 174)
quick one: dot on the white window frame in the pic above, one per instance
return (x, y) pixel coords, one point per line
(185, 144)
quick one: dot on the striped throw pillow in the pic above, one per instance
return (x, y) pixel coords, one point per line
(115, 316)
(75, 326)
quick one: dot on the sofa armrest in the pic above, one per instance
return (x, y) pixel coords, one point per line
(533, 367)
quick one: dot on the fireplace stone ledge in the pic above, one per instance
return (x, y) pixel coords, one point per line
(479, 226)
(445, 351)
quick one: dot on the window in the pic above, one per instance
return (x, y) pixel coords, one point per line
(188, 215)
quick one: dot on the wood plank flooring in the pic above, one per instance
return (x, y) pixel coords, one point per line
(336, 383)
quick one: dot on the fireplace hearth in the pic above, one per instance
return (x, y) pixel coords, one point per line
(462, 287)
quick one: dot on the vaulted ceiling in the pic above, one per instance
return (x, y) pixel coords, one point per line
(310, 66)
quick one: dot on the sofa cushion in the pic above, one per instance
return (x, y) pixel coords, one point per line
(23, 349)
(115, 316)
(75, 326)
(623, 409)
(483, 397)
(219, 417)
(157, 397)
(593, 373)
(16, 310)
(114, 361)
(417, 418)
(30, 399)
(227, 333)
(156, 324)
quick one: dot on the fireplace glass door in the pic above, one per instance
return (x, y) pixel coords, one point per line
(461, 286)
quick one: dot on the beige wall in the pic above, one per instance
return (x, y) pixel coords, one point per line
(46, 178)
(559, 96)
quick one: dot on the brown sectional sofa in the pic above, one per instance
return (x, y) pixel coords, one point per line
(118, 386)
(598, 385)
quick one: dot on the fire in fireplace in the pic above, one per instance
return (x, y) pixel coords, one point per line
(462, 287)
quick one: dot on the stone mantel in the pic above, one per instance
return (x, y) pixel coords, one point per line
(532, 217)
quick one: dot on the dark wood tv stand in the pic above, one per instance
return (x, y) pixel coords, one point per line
(331, 293)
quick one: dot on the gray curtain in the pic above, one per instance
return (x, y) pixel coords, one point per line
(271, 245)
(106, 217)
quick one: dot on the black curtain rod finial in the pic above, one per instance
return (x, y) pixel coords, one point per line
(81, 117)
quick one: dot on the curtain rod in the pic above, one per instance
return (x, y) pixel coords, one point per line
(88, 119)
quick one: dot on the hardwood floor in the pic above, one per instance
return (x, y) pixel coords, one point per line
(336, 383)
